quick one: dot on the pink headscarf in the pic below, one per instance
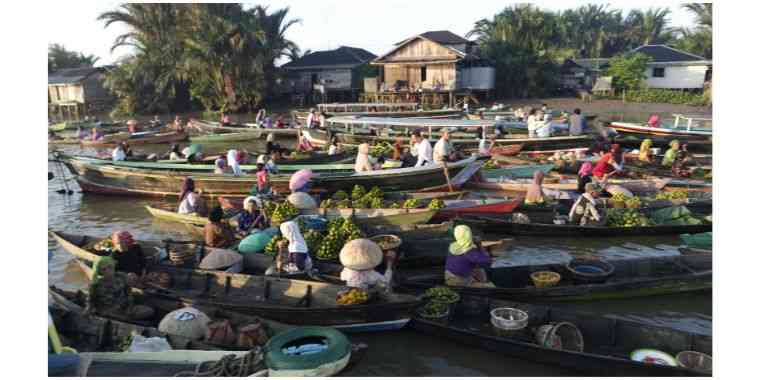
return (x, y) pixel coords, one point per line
(586, 169)
(122, 237)
(654, 121)
(300, 178)
(535, 193)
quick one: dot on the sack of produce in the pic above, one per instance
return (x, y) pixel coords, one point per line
(220, 333)
(255, 243)
(219, 259)
(670, 215)
(700, 241)
(302, 201)
(361, 254)
(187, 322)
(252, 335)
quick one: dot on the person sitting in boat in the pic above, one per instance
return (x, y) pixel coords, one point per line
(531, 123)
(585, 176)
(220, 165)
(156, 121)
(584, 211)
(363, 161)
(110, 296)
(360, 258)
(619, 157)
(190, 202)
(670, 154)
(605, 167)
(466, 261)
(119, 153)
(535, 194)
(542, 126)
(96, 134)
(251, 219)
(175, 154)
(679, 164)
(262, 177)
(311, 119)
(271, 145)
(218, 234)
(300, 181)
(127, 253)
(280, 124)
(304, 145)
(234, 158)
(598, 147)
(654, 121)
(193, 153)
(576, 121)
(645, 154)
(294, 253)
(225, 120)
(442, 151)
(333, 149)
(398, 149)
(270, 162)
(260, 117)
(423, 149)
(133, 126)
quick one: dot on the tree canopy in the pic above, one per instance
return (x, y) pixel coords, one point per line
(61, 58)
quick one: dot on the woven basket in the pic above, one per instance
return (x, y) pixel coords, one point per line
(695, 360)
(560, 336)
(545, 279)
(507, 318)
(387, 242)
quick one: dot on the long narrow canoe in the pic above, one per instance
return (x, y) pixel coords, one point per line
(457, 208)
(607, 341)
(214, 127)
(642, 277)
(283, 167)
(158, 138)
(436, 114)
(107, 179)
(503, 226)
(517, 171)
(645, 130)
(521, 185)
(227, 137)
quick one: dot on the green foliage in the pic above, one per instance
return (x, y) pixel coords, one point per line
(628, 71)
(60, 58)
(667, 96)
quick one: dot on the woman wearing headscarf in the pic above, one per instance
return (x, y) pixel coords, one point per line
(271, 145)
(360, 258)
(584, 176)
(251, 219)
(466, 261)
(644, 151)
(304, 145)
(679, 164)
(300, 181)
(535, 194)
(175, 153)
(333, 149)
(220, 164)
(670, 155)
(218, 234)
(363, 163)
(233, 161)
(127, 253)
(294, 257)
(618, 156)
(119, 153)
(189, 201)
(109, 293)
(584, 210)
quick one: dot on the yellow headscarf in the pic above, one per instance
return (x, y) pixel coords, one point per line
(463, 243)
(644, 150)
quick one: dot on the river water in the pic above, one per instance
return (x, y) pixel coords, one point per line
(401, 353)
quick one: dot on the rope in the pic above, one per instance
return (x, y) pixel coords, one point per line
(229, 366)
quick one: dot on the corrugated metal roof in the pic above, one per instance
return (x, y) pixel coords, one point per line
(664, 53)
(344, 56)
(67, 76)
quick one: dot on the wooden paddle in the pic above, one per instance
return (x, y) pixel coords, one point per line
(446, 174)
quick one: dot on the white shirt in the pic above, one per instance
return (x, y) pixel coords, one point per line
(332, 151)
(576, 125)
(441, 150)
(118, 154)
(189, 204)
(309, 120)
(424, 153)
(482, 149)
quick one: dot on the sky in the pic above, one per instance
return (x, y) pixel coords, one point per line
(329, 24)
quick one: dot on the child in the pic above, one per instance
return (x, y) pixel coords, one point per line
(262, 179)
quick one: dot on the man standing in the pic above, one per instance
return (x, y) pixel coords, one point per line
(423, 148)
(576, 123)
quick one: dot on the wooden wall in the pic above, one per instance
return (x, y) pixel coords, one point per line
(66, 93)
(439, 73)
(421, 49)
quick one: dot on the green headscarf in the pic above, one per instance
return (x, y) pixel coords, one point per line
(670, 155)
(463, 243)
(103, 262)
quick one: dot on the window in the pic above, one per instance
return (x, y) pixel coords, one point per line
(658, 72)
(423, 73)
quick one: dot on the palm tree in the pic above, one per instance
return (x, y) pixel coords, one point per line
(60, 58)
(703, 12)
(274, 45)
(650, 26)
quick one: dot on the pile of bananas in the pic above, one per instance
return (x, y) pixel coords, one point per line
(269, 207)
(436, 204)
(411, 203)
(491, 164)
(271, 247)
(327, 203)
(353, 297)
(384, 148)
(626, 218)
(339, 231)
(104, 245)
(394, 205)
(358, 192)
(313, 240)
(442, 294)
(340, 195)
(284, 212)
(672, 195)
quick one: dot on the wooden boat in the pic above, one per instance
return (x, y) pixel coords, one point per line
(457, 208)
(503, 226)
(674, 129)
(643, 277)
(342, 162)
(607, 341)
(206, 126)
(107, 179)
(136, 139)
(287, 301)
(221, 137)
(517, 171)
(521, 185)
(506, 150)
(375, 109)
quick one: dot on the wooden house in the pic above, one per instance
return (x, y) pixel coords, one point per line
(674, 69)
(75, 92)
(435, 62)
(328, 75)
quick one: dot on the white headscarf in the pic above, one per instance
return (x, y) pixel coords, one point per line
(233, 163)
(362, 159)
(252, 199)
(270, 137)
(262, 159)
(291, 232)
